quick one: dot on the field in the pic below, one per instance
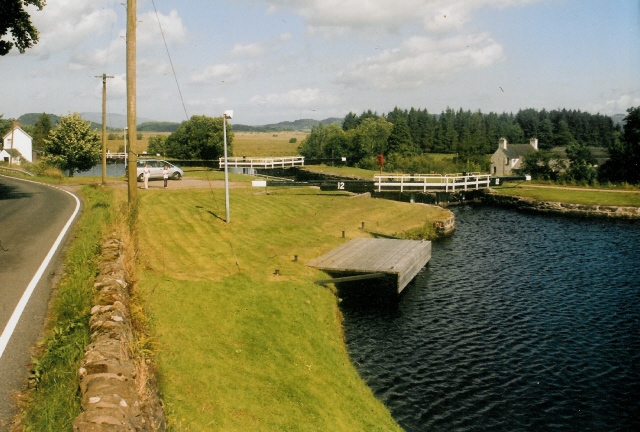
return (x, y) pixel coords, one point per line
(607, 197)
(250, 144)
(256, 144)
(116, 145)
(241, 348)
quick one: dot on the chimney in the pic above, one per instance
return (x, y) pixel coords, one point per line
(502, 142)
(534, 143)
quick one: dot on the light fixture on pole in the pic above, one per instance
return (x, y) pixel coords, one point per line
(227, 115)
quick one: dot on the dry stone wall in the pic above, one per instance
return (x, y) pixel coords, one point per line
(574, 210)
(111, 398)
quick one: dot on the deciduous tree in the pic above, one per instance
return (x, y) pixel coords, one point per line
(200, 137)
(15, 21)
(72, 146)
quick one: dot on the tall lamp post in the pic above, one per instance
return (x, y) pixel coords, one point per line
(227, 115)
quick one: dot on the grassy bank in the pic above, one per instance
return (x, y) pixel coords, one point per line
(241, 348)
(53, 402)
(613, 197)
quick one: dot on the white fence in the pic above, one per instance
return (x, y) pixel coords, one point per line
(275, 162)
(430, 182)
(116, 155)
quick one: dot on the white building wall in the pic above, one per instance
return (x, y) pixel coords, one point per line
(21, 142)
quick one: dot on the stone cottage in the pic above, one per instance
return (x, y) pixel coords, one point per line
(509, 157)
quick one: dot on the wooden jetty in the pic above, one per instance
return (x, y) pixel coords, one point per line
(369, 258)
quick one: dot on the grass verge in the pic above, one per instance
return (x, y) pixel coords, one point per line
(574, 196)
(244, 349)
(52, 401)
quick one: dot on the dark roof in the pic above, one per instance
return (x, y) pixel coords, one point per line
(13, 152)
(517, 150)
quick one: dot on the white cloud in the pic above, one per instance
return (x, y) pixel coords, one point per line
(421, 60)
(148, 31)
(298, 98)
(330, 16)
(99, 57)
(248, 50)
(618, 103)
(116, 88)
(226, 72)
(64, 24)
(286, 37)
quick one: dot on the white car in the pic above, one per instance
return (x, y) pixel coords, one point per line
(155, 167)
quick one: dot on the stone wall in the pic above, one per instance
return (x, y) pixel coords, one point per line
(444, 228)
(112, 398)
(564, 209)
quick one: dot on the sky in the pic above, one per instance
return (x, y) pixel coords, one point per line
(281, 60)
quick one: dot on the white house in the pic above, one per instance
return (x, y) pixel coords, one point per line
(21, 141)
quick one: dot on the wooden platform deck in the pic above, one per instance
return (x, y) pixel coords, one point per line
(402, 258)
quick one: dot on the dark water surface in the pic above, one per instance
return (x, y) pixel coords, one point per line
(519, 323)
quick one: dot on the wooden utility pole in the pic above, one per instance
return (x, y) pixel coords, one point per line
(13, 130)
(131, 99)
(104, 127)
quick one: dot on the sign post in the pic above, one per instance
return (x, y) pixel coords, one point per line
(380, 161)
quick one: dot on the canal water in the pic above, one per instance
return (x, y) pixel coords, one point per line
(519, 323)
(113, 170)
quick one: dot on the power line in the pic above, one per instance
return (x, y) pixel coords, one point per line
(170, 61)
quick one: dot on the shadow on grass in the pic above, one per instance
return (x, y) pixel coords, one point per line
(215, 215)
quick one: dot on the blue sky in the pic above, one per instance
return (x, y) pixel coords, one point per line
(277, 60)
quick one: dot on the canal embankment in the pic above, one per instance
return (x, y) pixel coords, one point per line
(570, 209)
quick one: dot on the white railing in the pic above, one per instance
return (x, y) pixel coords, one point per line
(430, 182)
(274, 162)
(116, 155)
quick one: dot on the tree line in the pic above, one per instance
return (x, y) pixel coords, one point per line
(409, 138)
(475, 133)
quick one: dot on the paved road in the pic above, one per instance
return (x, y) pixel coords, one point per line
(32, 217)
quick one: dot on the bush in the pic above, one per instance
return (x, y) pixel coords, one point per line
(293, 140)
(42, 169)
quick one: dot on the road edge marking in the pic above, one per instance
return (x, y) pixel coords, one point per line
(22, 304)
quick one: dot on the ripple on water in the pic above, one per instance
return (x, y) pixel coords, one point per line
(520, 322)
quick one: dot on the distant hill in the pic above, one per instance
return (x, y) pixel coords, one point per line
(297, 125)
(158, 127)
(119, 121)
(31, 118)
(114, 121)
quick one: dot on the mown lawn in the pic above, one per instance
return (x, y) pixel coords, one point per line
(241, 348)
(574, 196)
(343, 171)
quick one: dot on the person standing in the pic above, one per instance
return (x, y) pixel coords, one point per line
(147, 174)
(165, 175)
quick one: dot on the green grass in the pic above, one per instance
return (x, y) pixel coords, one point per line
(54, 402)
(241, 349)
(214, 175)
(344, 171)
(574, 196)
